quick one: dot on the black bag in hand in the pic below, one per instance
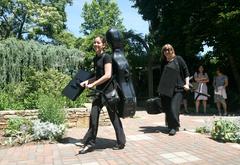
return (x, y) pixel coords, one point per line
(154, 106)
(73, 88)
(112, 96)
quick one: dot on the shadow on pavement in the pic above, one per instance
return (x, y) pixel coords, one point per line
(152, 129)
(101, 143)
(68, 140)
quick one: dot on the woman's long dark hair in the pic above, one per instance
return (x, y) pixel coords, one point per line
(103, 39)
(204, 72)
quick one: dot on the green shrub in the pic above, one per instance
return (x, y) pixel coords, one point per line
(47, 130)
(4, 103)
(17, 126)
(20, 130)
(25, 95)
(51, 109)
(50, 81)
(203, 130)
(53, 83)
(13, 95)
(222, 130)
(226, 130)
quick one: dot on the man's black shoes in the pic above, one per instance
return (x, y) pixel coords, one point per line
(118, 147)
(85, 149)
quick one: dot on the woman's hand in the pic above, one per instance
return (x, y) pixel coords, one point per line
(186, 87)
(90, 85)
(84, 83)
(204, 80)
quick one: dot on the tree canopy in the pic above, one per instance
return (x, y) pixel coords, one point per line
(100, 14)
(32, 19)
(187, 24)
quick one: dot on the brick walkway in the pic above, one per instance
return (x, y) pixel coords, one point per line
(147, 143)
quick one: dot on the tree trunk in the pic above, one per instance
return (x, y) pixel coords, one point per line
(150, 76)
(20, 31)
(235, 71)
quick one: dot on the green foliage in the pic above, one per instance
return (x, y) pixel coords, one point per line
(25, 94)
(226, 130)
(47, 130)
(203, 130)
(4, 103)
(49, 82)
(65, 38)
(18, 139)
(136, 49)
(14, 96)
(100, 14)
(189, 25)
(51, 110)
(21, 130)
(32, 19)
(18, 55)
(206, 129)
(17, 126)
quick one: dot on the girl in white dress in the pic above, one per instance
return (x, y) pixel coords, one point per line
(202, 79)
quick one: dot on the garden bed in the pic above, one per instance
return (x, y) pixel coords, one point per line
(76, 117)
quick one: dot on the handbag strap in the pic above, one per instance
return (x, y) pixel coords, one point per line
(112, 80)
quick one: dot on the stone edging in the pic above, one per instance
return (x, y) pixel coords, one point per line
(76, 117)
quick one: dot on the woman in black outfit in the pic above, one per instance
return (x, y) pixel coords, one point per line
(174, 80)
(103, 74)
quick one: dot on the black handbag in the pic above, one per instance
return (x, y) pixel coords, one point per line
(112, 96)
(154, 106)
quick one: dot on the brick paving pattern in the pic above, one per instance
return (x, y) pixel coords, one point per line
(147, 144)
